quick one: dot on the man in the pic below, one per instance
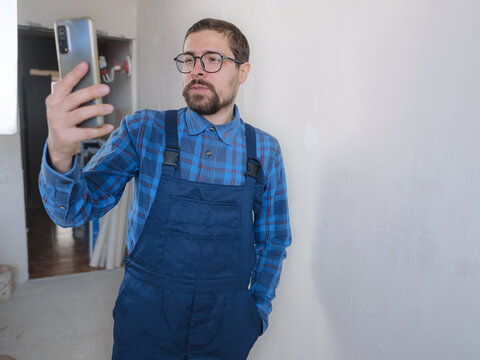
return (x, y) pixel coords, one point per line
(209, 217)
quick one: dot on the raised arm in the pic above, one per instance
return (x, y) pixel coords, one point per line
(72, 195)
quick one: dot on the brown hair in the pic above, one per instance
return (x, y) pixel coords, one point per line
(237, 41)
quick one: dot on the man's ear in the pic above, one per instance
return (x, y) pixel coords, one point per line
(244, 69)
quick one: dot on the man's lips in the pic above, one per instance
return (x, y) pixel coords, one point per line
(199, 89)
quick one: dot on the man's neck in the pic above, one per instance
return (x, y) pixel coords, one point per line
(222, 116)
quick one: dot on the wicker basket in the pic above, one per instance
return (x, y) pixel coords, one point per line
(6, 275)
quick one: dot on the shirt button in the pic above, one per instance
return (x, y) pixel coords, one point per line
(209, 153)
(212, 128)
(63, 207)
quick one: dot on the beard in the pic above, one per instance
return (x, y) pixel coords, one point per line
(205, 104)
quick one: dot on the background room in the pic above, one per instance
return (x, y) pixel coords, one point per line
(376, 107)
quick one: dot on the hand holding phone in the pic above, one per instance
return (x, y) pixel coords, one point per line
(64, 113)
(74, 108)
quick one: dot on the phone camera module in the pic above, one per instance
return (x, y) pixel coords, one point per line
(62, 39)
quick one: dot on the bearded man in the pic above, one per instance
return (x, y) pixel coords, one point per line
(208, 227)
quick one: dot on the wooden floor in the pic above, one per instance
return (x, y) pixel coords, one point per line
(53, 250)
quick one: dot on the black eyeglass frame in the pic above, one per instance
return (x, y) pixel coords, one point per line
(223, 57)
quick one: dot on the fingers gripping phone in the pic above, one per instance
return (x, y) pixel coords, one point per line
(76, 41)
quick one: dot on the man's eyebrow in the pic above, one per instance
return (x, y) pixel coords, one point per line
(207, 51)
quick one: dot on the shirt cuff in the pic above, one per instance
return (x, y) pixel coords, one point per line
(55, 178)
(264, 316)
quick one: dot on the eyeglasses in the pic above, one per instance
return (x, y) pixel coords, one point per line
(211, 62)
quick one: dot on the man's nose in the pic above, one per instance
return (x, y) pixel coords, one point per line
(197, 68)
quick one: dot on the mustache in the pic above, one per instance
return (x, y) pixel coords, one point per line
(198, 82)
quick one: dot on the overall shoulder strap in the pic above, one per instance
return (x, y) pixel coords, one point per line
(254, 166)
(172, 150)
(254, 175)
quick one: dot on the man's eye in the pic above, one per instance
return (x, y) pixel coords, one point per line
(213, 59)
(187, 60)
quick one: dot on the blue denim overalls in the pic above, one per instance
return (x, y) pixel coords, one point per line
(185, 291)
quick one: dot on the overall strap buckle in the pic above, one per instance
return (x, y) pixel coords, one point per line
(252, 168)
(171, 155)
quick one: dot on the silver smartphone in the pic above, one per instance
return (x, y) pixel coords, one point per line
(76, 41)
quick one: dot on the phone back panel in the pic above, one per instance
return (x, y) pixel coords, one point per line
(81, 41)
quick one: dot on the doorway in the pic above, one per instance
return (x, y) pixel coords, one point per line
(52, 250)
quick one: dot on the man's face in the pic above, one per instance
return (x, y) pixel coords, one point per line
(207, 93)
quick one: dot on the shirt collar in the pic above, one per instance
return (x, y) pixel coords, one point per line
(196, 124)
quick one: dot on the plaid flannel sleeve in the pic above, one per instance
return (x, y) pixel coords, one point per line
(272, 235)
(80, 195)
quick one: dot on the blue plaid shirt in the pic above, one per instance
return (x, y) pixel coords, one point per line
(209, 153)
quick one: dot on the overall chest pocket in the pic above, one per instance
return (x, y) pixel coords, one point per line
(207, 215)
(201, 238)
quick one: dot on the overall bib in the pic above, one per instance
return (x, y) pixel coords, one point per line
(185, 292)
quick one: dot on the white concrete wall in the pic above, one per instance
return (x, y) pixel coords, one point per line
(376, 106)
(11, 180)
(13, 238)
(378, 121)
(114, 18)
